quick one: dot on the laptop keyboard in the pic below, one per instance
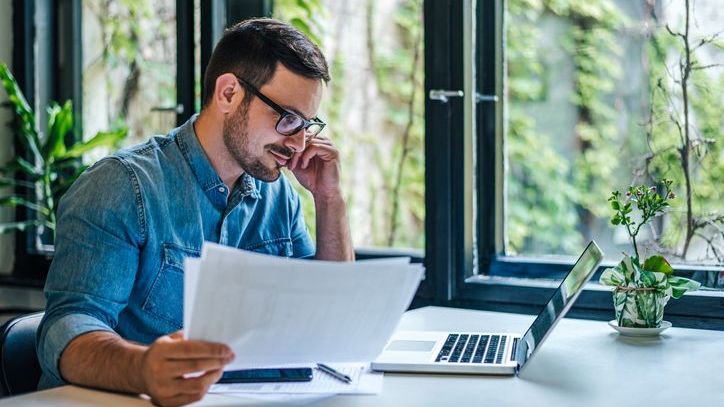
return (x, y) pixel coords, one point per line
(466, 348)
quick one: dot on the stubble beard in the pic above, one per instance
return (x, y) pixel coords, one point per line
(236, 139)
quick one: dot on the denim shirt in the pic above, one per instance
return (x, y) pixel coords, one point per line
(126, 225)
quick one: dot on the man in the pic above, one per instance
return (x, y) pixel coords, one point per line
(114, 291)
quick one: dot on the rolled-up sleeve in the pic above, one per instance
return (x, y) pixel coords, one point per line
(100, 231)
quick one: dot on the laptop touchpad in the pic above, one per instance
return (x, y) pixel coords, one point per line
(411, 346)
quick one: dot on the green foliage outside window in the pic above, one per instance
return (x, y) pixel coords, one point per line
(556, 180)
(396, 204)
(552, 199)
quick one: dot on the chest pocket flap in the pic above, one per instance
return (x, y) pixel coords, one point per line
(165, 298)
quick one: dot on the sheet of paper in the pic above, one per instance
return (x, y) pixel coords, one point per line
(364, 381)
(275, 311)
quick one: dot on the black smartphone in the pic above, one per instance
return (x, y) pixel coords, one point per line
(303, 374)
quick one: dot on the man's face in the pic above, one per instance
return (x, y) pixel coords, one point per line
(250, 134)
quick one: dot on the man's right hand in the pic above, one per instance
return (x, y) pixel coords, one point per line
(167, 365)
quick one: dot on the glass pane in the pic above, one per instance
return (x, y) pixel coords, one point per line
(129, 68)
(374, 107)
(596, 103)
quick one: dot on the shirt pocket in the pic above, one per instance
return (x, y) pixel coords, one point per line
(165, 298)
(281, 246)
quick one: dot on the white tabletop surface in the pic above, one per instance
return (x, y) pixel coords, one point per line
(582, 363)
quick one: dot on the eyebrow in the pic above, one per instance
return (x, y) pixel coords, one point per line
(293, 110)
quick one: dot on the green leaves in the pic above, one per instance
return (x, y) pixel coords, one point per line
(60, 122)
(680, 285)
(658, 264)
(642, 292)
(20, 201)
(12, 226)
(648, 201)
(51, 166)
(25, 118)
(101, 139)
(613, 277)
(304, 15)
(621, 210)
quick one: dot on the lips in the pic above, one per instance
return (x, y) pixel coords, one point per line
(280, 159)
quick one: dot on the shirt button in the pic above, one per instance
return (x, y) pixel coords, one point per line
(222, 189)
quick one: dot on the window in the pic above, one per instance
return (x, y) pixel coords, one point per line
(488, 133)
(129, 68)
(137, 65)
(140, 62)
(511, 202)
(374, 105)
(534, 204)
(594, 104)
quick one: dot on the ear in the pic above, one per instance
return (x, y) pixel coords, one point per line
(227, 93)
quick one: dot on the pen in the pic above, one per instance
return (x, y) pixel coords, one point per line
(337, 375)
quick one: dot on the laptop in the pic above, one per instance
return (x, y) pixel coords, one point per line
(487, 352)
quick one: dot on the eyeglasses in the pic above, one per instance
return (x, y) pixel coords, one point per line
(289, 123)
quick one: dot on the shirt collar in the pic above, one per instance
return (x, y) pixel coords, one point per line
(205, 174)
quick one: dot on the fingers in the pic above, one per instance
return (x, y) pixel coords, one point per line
(317, 141)
(201, 384)
(177, 335)
(323, 151)
(293, 163)
(197, 350)
(180, 367)
(190, 390)
(171, 357)
(320, 140)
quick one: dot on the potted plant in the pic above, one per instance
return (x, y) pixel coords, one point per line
(642, 289)
(37, 179)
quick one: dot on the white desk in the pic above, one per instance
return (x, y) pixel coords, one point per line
(582, 363)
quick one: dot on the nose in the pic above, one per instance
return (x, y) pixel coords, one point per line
(295, 142)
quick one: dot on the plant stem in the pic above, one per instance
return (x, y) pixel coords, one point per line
(685, 149)
(633, 239)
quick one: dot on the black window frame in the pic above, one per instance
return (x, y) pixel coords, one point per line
(58, 61)
(458, 241)
(60, 67)
(501, 283)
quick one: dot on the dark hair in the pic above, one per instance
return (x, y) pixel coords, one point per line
(252, 48)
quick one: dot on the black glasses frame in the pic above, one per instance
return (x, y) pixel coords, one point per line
(315, 121)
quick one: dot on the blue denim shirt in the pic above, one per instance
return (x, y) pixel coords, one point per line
(126, 225)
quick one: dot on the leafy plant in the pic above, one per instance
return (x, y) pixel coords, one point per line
(642, 290)
(50, 166)
(647, 200)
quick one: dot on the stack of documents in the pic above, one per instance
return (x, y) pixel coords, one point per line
(274, 311)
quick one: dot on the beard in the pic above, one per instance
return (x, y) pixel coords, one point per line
(236, 139)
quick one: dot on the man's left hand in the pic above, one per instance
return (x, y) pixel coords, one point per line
(317, 168)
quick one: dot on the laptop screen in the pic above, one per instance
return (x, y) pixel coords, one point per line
(561, 301)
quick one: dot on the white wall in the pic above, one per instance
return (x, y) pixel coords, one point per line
(7, 242)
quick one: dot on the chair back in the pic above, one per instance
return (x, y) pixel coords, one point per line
(19, 368)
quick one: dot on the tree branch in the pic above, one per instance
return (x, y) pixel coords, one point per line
(700, 67)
